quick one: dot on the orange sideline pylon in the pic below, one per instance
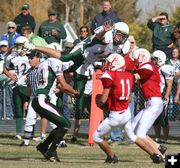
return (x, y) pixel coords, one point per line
(96, 114)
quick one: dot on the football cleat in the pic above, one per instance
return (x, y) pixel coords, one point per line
(41, 148)
(63, 144)
(74, 139)
(113, 159)
(23, 144)
(52, 156)
(162, 149)
(157, 158)
(18, 137)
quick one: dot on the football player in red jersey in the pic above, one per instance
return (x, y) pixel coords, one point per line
(149, 77)
(117, 86)
(117, 89)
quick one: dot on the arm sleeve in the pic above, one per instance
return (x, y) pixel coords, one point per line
(62, 34)
(107, 83)
(151, 24)
(145, 73)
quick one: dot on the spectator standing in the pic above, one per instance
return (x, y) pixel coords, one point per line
(106, 15)
(33, 38)
(175, 62)
(5, 88)
(83, 39)
(24, 19)
(176, 35)
(52, 29)
(84, 36)
(176, 98)
(11, 34)
(162, 37)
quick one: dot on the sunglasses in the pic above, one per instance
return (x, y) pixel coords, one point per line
(52, 15)
(31, 57)
(83, 31)
(11, 27)
(25, 9)
(132, 42)
(3, 46)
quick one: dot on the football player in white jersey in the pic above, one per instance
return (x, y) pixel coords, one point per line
(83, 57)
(18, 61)
(49, 71)
(167, 73)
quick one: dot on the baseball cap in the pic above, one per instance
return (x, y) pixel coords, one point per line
(33, 54)
(3, 42)
(25, 6)
(68, 44)
(11, 24)
(52, 12)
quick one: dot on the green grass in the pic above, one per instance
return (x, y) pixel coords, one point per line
(79, 155)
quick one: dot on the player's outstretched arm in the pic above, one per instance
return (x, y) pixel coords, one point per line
(45, 50)
(49, 51)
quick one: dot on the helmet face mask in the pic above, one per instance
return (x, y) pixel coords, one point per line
(114, 62)
(141, 56)
(159, 57)
(119, 37)
(120, 33)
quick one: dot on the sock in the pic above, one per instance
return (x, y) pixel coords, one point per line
(26, 141)
(58, 136)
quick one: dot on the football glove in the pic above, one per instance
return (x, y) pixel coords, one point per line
(28, 47)
(165, 102)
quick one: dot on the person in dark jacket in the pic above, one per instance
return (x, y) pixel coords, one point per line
(52, 30)
(24, 19)
(106, 15)
(162, 37)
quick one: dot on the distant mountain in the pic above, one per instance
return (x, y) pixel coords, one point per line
(147, 6)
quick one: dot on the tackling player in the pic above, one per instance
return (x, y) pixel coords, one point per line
(149, 77)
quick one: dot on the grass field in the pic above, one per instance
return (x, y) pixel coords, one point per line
(79, 155)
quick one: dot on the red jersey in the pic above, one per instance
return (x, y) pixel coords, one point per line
(130, 64)
(150, 80)
(121, 84)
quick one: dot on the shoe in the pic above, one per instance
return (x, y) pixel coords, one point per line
(18, 137)
(157, 158)
(39, 139)
(111, 160)
(41, 148)
(63, 144)
(164, 141)
(158, 140)
(74, 139)
(52, 156)
(23, 144)
(162, 149)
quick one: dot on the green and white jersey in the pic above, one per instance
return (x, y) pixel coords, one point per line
(100, 51)
(21, 66)
(48, 70)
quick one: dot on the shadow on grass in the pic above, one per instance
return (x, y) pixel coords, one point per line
(21, 159)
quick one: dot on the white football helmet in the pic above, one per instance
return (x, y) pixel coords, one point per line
(141, 55)
(159, 57)
(115, 62)
(122, 27)
(21, 40)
